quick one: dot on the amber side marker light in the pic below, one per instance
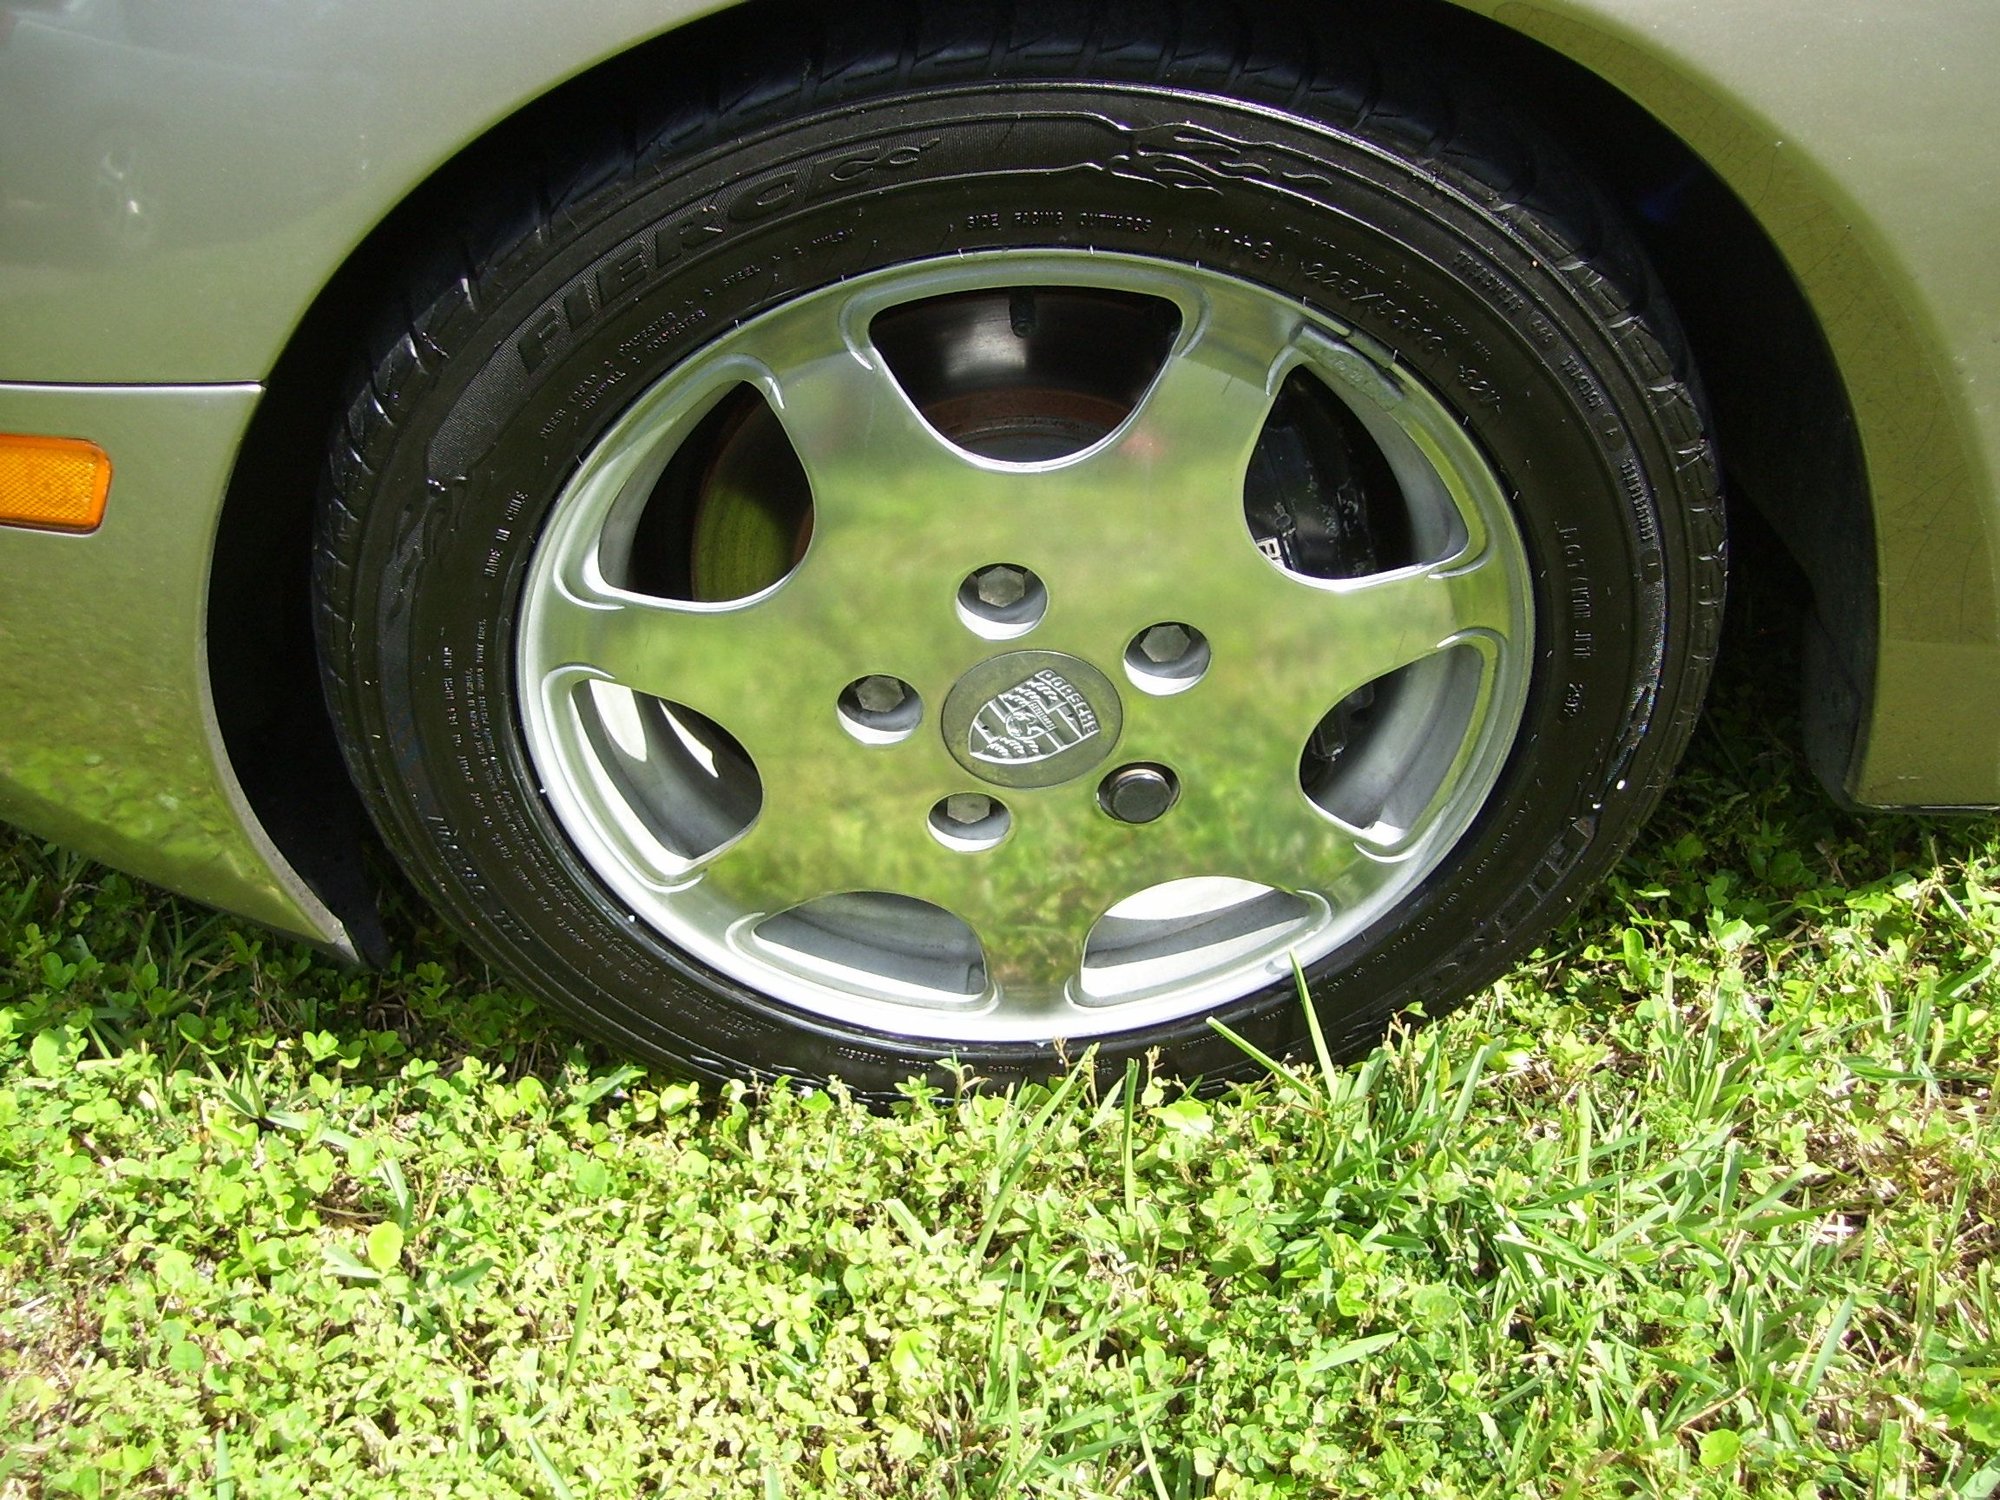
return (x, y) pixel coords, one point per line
(57, 483)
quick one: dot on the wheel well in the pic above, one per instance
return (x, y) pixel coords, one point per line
(1784, 429)
(1783, 424)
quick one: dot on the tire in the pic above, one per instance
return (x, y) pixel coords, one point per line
(975, 545)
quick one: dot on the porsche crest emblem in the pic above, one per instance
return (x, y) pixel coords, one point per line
(1036, 719)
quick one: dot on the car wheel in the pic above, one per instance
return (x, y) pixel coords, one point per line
(928, 567)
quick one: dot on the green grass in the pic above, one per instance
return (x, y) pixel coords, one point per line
(1700, 1201)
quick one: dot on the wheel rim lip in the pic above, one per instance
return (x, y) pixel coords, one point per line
(637, 444)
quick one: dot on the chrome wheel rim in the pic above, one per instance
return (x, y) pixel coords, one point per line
(1099, 803)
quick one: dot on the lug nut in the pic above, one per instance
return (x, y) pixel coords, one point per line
(970, 822)
(1000, 586)
(879, 709)
(1166, 658)
(1001, 600)
(1138, 794)
(1165, 643)
(879, 694)
(968, 808)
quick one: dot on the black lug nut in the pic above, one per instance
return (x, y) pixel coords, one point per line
(1138, 793)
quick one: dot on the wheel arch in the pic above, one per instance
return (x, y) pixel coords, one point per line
(1722, 270)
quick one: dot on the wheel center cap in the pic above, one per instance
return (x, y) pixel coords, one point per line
(1031, 718)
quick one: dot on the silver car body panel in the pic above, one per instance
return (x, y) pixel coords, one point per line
(108, 739)
(179, 181)
(1860, 136)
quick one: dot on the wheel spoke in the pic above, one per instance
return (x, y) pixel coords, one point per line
(1247, 785)
(1169, 482)
(1033, 928)
(873, 463)
(1189, 440)
(685, 653)
(1282, 840)
(873, 838)
(1158, 504)
(1291, 648)
(792, 854)
(898, 513)
(1032, 923)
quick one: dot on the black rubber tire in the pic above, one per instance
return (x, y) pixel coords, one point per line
(1306, 160)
